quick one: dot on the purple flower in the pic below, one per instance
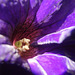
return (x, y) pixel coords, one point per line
(40, 32)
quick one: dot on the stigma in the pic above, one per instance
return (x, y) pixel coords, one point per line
(22, 45)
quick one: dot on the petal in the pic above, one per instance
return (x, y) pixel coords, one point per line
(17, 13)
(58, 13)
(50, 64)
(60, 28)
(60, 19)
(4, 40)
(69, 21)
(46, 9)
(9, 53)
(28, 28)
(6, 51)
(14, 57)
(5, 29)
(13, 11)
(33, 8)
(33, 3)
(61, 42)
(56, 37)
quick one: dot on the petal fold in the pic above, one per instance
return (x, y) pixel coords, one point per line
(56, 37)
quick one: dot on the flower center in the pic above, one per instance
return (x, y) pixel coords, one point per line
(25, 49)
(24, 35)
(22, 45)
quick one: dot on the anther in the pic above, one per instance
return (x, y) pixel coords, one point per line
(23, 44)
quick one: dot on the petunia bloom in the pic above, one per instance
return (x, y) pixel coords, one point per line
(39, 32)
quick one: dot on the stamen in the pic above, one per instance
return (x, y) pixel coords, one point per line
(22, 45)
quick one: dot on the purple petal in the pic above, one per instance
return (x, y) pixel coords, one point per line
(69, 21)
(46, 10)
(61, 26)
(61, 42)
(5, 29)
(17, 13)
(60, 19)
(6, 51)
(34, 6)
(50, 64)
(56, 37)
(4, 40)
(33, 3)
(12, 11)
(47, 64)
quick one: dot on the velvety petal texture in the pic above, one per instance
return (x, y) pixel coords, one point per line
(42, 21)
(50, 64)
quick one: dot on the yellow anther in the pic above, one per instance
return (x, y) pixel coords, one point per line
(26, 40)
(26, 47)
(23, 45)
